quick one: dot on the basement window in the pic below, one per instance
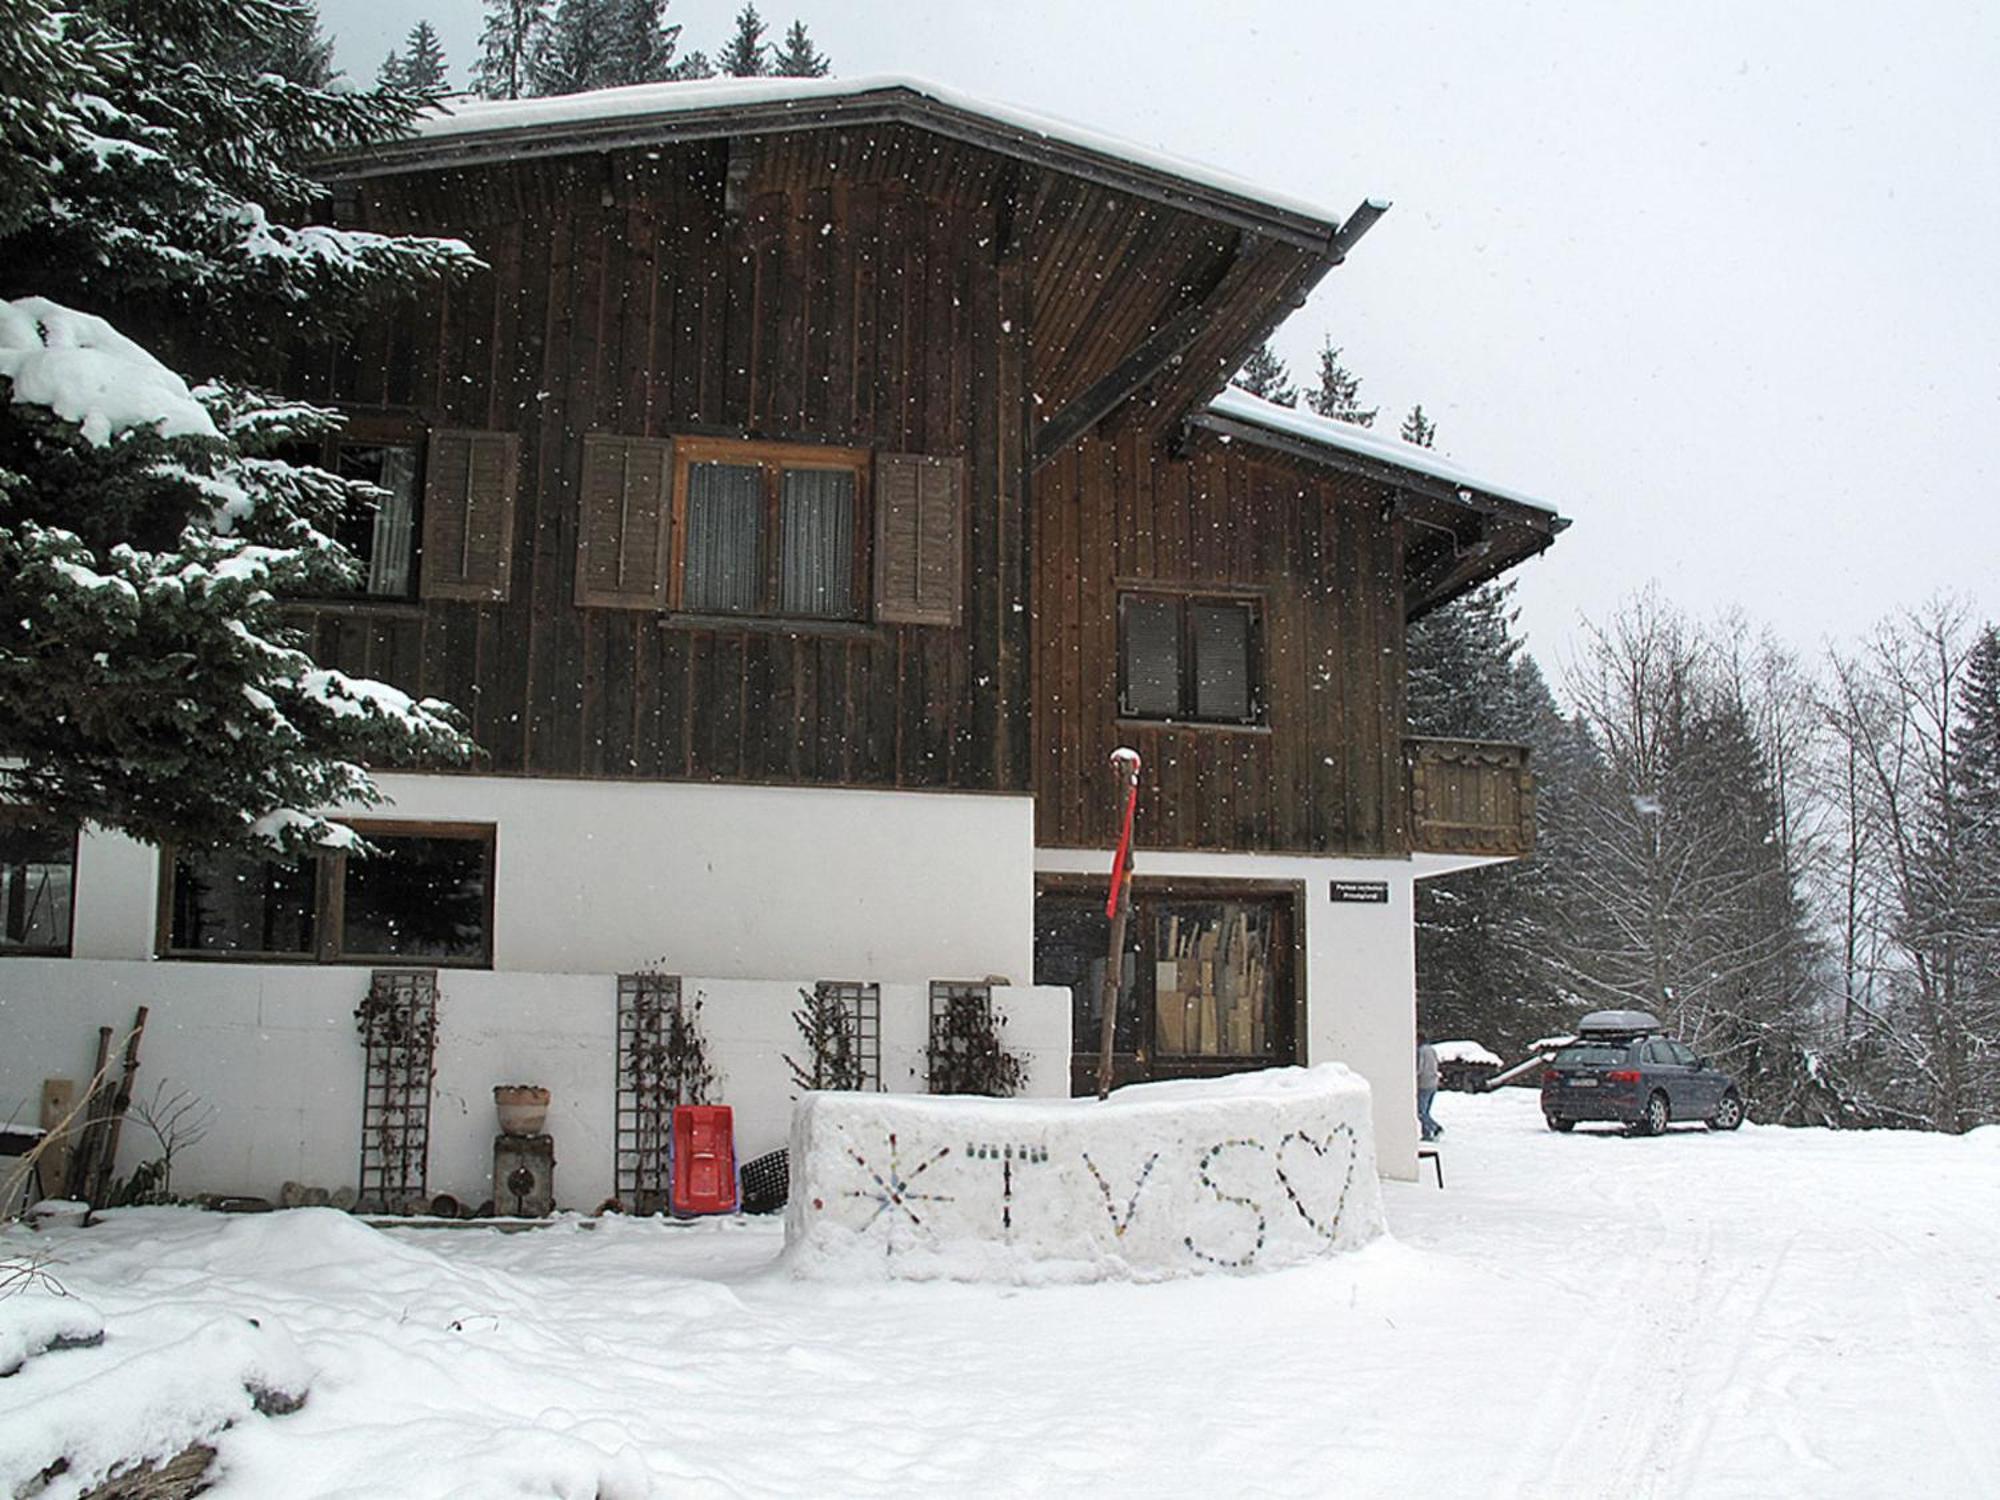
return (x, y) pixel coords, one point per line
(37, 875)
(425, 895)
(1188, 658)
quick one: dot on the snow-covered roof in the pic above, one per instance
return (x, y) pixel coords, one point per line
(1466, 1052)
(780, 103)
(1240, 406)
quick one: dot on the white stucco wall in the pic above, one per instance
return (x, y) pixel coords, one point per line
(273, 1050)
(734, 881)
(1361, 969)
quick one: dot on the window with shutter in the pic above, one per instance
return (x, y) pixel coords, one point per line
(625, 522)
(469, 491)
(919, 538)
(1190, 659)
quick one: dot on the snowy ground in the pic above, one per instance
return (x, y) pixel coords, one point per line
(1767, 1313)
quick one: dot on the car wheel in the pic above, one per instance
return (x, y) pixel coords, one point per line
(1728, 1114)
(1559, 1124)
(1654, 1120)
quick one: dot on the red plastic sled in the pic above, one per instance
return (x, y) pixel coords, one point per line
(704, 1160)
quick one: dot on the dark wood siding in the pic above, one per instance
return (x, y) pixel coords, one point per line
(857, 295)
(1324, 772)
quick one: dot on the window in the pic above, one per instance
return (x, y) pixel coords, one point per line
(37, 873)
(717, 526)
(1188, 658)
(424, 896)
(461, 530)
(383, 540)
(769, 529)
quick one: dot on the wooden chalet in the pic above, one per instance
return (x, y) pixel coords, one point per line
(814, 440)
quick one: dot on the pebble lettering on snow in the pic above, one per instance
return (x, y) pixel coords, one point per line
(1229, 1175)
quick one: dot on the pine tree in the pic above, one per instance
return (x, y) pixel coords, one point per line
(148, 532)
(1976, 772)
(1484, 936)
(1419, 429)
(1338, 393)
(511, 48)
(798, 58)
(579, 48)
(419, 68)
(1264, 374)
(641, 43)
(747, 54)
(692, 67)
(293, 47)
(424, 70)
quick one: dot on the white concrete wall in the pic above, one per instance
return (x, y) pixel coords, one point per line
(1361, 969)
(735, 881)
(273, 1048)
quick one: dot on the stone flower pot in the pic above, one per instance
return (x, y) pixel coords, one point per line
(523, 1108)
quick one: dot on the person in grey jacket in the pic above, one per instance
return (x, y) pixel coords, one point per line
(1427, 1087)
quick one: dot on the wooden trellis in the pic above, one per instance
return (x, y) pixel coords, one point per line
(398, 1024)
(647, 1092)
(862, 1004)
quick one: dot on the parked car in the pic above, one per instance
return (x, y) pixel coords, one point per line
(1621, 1068)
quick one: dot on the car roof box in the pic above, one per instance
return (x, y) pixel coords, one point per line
(1617, 1023)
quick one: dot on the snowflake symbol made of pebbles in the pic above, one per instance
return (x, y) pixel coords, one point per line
(894, 1192)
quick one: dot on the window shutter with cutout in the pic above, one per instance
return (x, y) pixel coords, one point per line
(919, 538)
(626, 517)
(469, 491)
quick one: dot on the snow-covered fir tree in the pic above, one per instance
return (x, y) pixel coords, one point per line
(1338, 393)
(420, 67)
(798, 58)
(1419, 429)
(1264, 374)
(511, 48)
(746, 54)
(151, 196)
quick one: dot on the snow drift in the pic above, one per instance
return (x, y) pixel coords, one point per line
(1251, 1172)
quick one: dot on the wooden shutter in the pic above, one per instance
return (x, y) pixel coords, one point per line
(919, 538)
(627, 513)
(469, 490)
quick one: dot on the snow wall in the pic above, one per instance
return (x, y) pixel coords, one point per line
(1250, 1172)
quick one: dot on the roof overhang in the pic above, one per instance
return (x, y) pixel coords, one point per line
(1474, 530)
(484, 132)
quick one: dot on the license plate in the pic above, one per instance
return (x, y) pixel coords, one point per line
(1583, 1083)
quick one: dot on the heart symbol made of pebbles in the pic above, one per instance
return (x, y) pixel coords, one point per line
(1309, 1175)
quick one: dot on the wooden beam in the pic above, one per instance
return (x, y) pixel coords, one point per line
(1166, 346)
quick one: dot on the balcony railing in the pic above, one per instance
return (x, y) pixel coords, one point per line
(1470, 797)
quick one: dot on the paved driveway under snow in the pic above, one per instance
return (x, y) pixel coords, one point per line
(1760, 1314)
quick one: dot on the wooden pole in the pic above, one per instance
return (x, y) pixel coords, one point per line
(1118, 907)
(106, 1164)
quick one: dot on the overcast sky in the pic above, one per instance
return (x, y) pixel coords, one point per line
(1715, 279)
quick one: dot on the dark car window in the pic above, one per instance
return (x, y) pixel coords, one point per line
(1662, 1053)
(1597, 1055)
(1683, 1054)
